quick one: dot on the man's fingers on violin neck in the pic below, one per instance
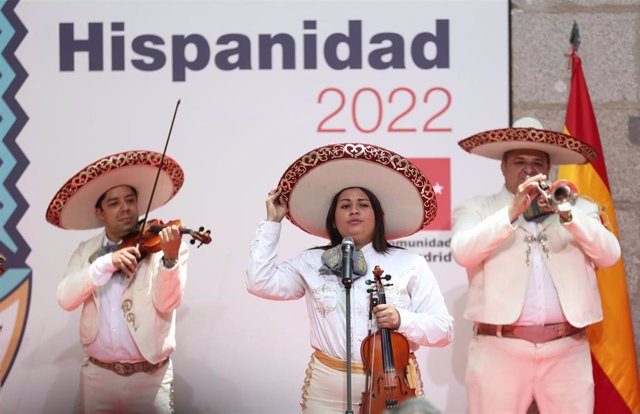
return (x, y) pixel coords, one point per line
(169, 233)
(170, 238)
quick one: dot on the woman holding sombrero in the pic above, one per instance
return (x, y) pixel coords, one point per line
(371, 195)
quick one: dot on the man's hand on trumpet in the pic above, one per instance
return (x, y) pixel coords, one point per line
(526, 192)
(557, 198)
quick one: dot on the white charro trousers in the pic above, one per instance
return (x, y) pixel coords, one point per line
(325, 389)
(504, 375)
(104, 391)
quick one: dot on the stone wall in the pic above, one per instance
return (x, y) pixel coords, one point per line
(610, 52)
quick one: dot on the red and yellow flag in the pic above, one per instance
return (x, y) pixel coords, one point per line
(617, 389)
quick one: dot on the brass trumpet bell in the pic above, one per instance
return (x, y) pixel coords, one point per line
(561, 195)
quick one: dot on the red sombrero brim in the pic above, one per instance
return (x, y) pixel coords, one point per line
(310, 183)
(562, 148)
(73, 205)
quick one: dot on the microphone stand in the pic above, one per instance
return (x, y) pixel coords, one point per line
(347, 281)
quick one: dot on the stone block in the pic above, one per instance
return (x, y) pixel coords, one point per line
(540, 45)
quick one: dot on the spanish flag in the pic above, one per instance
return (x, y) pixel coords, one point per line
(617, 389)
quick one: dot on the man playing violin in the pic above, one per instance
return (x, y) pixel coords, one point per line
(129, 296)
(530, 260)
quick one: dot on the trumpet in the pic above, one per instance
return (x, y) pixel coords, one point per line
(560, 196)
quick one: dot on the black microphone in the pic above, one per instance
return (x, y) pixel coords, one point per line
(347, 258)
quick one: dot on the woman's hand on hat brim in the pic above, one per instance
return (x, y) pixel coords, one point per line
(276, 206)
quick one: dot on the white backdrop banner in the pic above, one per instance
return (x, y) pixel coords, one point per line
(260, 84)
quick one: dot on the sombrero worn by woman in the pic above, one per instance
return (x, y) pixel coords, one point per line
(127, 327)
(372, 195)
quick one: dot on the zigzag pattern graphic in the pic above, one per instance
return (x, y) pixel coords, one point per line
(15, 284)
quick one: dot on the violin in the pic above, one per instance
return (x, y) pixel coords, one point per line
(385, 355)
(148, 241)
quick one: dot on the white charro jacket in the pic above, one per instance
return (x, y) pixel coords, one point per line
(494, 253)
(149, 300)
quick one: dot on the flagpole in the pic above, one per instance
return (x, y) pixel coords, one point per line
(615, 374)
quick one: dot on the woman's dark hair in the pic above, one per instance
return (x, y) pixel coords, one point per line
(380, 243)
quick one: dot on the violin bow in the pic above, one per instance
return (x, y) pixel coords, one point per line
(155, 183)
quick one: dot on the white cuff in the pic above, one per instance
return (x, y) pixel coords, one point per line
(102, 269)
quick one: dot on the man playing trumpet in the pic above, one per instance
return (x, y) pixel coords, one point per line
(530, 256)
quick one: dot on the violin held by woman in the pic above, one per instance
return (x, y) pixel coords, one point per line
(388, 361)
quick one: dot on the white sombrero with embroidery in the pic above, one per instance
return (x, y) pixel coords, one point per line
(527, 133)
(310, 183)
(73, 206)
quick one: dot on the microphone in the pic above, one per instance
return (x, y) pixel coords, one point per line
(347, 258)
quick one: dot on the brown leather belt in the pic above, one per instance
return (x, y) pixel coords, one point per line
(536, 334)
(128, 368)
